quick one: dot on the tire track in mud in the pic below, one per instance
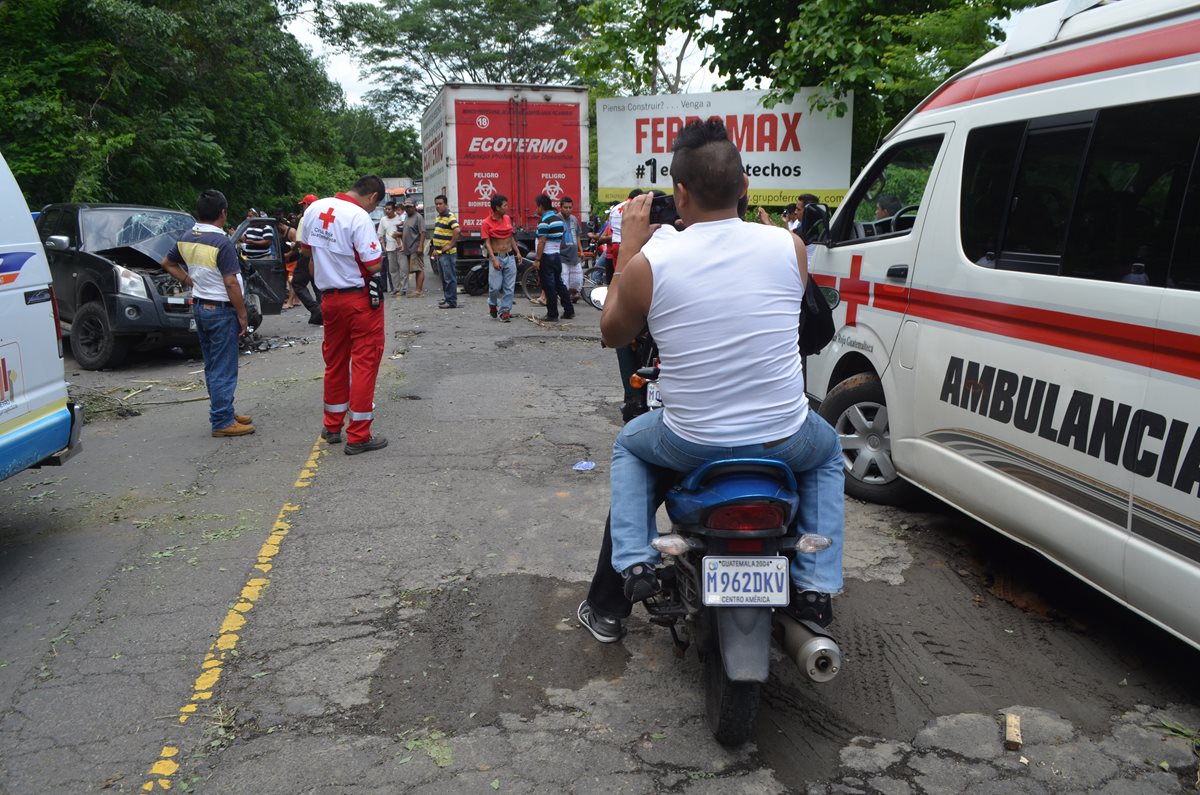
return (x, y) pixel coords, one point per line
(937, 642)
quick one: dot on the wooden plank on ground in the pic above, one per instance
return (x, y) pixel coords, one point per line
(1012, 732)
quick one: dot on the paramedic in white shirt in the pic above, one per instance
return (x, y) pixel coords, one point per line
(345, 256)
(722, 299)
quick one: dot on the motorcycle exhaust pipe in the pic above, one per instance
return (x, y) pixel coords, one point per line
(817, 655)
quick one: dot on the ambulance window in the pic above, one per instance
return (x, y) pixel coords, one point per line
(1131, 193)
(1042, 196)
(888, 206)
(988, 165)
(1185, 261)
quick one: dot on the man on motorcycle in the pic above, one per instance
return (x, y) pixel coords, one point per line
(722, 299)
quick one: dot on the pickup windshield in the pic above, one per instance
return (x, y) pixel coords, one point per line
(105, 228)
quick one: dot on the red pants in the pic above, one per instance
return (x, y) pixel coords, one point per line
(353, 349)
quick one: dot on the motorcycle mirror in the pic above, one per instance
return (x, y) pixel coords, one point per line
(598, 295)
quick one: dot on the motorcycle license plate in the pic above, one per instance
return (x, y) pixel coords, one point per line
(758, 582)
(653, 396)
(191, 324)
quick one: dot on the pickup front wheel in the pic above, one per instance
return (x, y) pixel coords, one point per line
(93, 343)
(857, 410)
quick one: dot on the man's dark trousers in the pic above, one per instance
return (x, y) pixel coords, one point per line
(553, 287)
(300, 281)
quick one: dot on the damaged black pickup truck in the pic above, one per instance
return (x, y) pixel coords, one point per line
(112, 295)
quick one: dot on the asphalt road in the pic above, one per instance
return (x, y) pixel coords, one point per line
(268, 615)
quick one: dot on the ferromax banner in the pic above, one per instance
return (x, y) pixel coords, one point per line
(786, 150)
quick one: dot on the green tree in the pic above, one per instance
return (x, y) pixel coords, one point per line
(370, 146)
(415, 46)
(626, 48)
(151, 101)
(889, 53)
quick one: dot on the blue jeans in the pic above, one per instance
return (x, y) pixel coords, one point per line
(218, 328)
(550, 275)
(501, 282)
(446, 265)
(814, 453)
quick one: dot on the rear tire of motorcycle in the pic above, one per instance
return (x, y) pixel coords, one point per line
(593, 277)
(730, 707)
(476, 282)
(531, 284)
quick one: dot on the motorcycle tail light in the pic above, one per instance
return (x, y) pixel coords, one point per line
(750, 516)
(747, 545)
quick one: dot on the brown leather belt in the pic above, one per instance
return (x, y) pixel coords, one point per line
(776, 442)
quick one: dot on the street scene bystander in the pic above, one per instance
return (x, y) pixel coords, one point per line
(204, 259)
(345, 254)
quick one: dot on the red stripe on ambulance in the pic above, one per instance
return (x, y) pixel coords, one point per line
(1141, 48)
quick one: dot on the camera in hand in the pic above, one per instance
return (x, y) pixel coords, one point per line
(662, 209)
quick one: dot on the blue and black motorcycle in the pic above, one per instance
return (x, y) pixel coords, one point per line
(726, 580)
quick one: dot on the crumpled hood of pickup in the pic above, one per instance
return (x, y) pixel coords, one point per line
(152, 249)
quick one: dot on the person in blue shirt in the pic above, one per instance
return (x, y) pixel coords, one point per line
(548, 261)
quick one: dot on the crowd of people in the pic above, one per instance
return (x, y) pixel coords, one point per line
(687, 283)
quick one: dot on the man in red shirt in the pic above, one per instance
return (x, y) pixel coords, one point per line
(345, 257)
(501, 248)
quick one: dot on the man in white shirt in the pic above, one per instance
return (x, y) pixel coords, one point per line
(389, 235)
(345, 256)
(791, 218)
(731, 382)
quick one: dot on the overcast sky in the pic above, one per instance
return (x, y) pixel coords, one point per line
(343, 70)
(340, 68)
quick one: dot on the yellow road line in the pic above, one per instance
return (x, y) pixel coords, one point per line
(226, 643)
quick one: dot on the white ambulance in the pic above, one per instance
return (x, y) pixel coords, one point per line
(39, 425)
(1018, 282)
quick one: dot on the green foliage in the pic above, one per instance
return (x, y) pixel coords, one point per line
(619, 52)
(889, 53)
(421, 44)
(151, 101)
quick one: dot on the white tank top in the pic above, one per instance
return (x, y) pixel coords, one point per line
(725, 311)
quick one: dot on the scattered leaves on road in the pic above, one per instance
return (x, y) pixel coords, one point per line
(434, 747)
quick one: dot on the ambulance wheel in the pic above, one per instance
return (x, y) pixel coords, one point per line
(93, 343)
(857, 410)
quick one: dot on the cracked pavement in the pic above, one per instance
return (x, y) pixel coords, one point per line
(418, 634)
